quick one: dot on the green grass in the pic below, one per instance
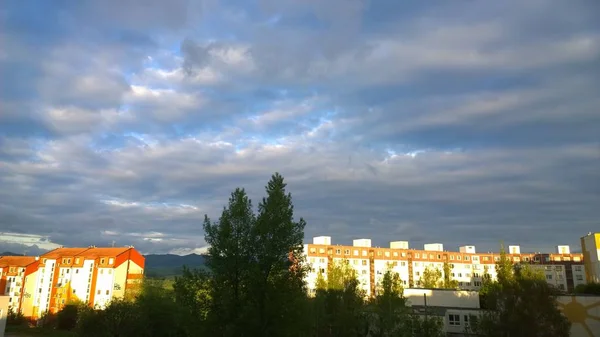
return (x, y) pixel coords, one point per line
(24, 331)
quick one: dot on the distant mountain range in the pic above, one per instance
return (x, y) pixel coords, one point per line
(162, 265)
(167, 265)
(10, 254)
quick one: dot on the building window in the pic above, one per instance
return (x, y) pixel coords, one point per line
(403, 254)
(477, 283)
(98, 292)
(107, 292)
(338, 251)
(467, 258)
(387, 254)
(355, 252)
(102, 261)
(396, 254)
(549, 277)
(312, 250)
(459, 274)
(453, 319)
(321, 260)
(347, 252)
(439, 257)
(364, 253)
(321, 251)
(417, 255)
(403, 264)
(364, 272)
(364, 262)
(579, 277)
(458, 257)
(485, 258)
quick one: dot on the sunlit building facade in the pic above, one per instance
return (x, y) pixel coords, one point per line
(90, 275)
(590, 247)
(466, 266)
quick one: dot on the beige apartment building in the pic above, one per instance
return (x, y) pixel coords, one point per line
(562, 269)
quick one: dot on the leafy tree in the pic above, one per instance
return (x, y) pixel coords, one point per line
(448, 282)
(391, 313)
(339, 305)
(431, 278)
(193, 292)
(229, 258)
(520, 304)
(278, 275)
(589, 289)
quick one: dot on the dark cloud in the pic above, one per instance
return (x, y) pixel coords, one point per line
(462, 123)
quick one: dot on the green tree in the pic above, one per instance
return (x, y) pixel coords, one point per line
(519, 304)
(278, 287)
(431, 278)
(338, 308)
(588, 288)
(193, 292)
(391, 314)
(229, 258)
(448, 282)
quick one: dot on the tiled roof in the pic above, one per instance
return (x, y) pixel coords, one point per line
(60, 252)
(19, 261)
(104, 251)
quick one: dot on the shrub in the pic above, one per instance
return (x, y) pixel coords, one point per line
(15, 318)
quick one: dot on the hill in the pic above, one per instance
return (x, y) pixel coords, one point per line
(168, 265)
(10, 254)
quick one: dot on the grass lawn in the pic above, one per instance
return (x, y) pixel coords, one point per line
(23, 331)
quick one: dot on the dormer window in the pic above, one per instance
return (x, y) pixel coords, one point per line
(102, 261)
(111, 261)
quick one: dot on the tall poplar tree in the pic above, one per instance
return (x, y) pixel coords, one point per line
(230, 258)
(278, 277)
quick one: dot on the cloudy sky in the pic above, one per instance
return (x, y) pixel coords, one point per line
(460, 122)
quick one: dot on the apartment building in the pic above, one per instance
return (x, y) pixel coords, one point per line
(16, 276)
(91, 275)
(466, 266)
(590, 247)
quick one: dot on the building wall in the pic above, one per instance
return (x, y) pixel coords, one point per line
(3, 314)
(29, 288)
(590, 246)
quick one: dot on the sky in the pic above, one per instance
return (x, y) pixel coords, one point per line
(461, 122)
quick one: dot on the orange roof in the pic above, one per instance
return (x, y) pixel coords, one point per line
(17, 261)
(104, 251)
(60, 252)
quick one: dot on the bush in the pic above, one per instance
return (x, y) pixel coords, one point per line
(66, 319)
(15, 318)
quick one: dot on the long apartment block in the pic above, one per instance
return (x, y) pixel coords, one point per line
(39, 284)
(562, 269)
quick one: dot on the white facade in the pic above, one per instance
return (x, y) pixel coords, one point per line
(361, 243)
(41, 298)
(467, 249)
(514, 250)
(399, 244)
(322, 240)
(104, 287)
(437, 247)
(563, 249)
